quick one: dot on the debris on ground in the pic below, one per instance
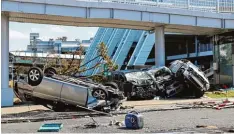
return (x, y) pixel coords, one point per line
(93, 124)
(126, 107)
(215, 105)
(117, 123)
(206, 126)
(51, 127)
(218, 105)
(17, 101)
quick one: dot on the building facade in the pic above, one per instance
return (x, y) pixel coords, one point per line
(224, 58)
(59, 46)
(129, 47)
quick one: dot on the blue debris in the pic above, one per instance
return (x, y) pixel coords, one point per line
(51, 127)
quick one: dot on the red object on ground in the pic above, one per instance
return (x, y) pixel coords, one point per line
(222, 105)
(225, 86)
(226, 101)
(212, 102)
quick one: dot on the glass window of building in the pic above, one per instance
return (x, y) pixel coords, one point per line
(223, 56)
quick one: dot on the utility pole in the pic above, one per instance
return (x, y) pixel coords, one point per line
(34, 48)
(33, 42)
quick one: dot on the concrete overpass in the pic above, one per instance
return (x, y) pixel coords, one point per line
(121, 14)
(183, 16)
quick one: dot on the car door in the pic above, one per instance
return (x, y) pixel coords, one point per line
(48, 89)
(74, 94)
(116, 79)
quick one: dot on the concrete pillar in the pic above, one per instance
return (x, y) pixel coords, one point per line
(196, 49)
(187, 48)
(7, 93)
(159, 47)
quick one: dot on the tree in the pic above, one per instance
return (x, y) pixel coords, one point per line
(74, 67)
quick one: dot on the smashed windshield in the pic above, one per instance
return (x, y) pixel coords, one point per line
(137, 75)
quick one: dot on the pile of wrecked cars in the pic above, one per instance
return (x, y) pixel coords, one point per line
(181, 78)
(66, 92)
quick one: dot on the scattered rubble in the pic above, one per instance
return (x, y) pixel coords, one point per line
(218, 105)
(93, 124)
(117, 123)
(206, 126)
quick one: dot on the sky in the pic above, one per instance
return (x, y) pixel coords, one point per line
(19, 33)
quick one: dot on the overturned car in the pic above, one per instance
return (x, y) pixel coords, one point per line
(191, 76)
(64, 93)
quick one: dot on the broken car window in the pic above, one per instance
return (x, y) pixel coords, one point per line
(137, 75)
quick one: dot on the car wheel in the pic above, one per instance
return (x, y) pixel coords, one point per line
(58, 108)
(35, 76)
(100, 94)
(198, 93)
(50, 71)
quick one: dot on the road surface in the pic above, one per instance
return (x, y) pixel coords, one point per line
(183, 120)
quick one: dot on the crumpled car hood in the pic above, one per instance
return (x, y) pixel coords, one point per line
(141, 81)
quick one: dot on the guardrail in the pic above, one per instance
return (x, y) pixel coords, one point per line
(219, 6)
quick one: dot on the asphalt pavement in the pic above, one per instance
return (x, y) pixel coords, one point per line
(181, 120)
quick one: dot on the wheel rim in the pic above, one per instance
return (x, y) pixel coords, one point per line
(99, 94)
(34, 75)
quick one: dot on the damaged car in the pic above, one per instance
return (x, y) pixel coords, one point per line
(191, 76)
(181, 78)
(134, 83)
(61, 93)
(166, 85)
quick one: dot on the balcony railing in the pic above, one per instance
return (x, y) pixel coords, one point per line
(218, 6)
(205, 47)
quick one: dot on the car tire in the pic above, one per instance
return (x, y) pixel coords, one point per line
(198, 93)
(111, 84)
(100, 94)
(35, 76)
(59, 108)
(50, 71)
